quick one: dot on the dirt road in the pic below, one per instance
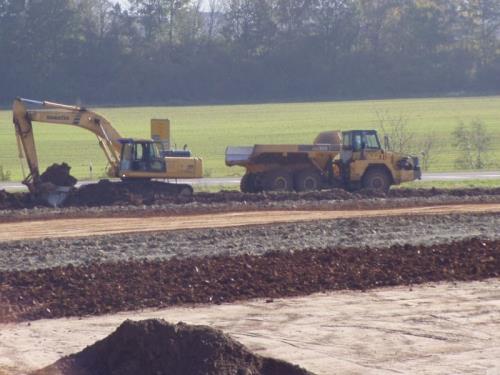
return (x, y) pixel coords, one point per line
(432, 329)
(58, 228)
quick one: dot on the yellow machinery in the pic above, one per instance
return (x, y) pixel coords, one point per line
(350, 160)
(129, 159)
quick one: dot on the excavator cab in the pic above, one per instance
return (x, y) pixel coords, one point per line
(140, 156)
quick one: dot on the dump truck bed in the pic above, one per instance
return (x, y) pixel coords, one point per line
(242, 155)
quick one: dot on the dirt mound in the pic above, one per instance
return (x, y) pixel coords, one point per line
(157, 347)
(14, 201)
(433, 192)
(138, 193)
(58, 174)
(101, 288)
(106, 193)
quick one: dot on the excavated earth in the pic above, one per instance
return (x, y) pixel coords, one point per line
(100, 288)
(263, 202)
(114, 194)
(155, 347)
(64, 275)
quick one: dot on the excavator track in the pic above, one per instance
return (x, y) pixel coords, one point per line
(128, 191)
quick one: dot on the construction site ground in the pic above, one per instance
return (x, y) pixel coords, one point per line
(84, 227)
(407, 284)
(444, 328)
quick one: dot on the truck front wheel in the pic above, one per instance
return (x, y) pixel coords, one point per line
(307, 180)
(377, 179)
(277, 180)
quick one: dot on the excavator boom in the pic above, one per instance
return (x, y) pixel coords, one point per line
(48, 112)
(128, 158)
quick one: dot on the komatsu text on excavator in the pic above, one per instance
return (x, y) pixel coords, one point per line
(128, 159)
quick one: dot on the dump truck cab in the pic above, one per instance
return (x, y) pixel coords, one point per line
(351, 160)
(369, 165)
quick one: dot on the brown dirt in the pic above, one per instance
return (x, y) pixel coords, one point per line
(156, 347)
(108, 287)
(15, 201)
(433, 329)
(59, 175)
(80, 227)
(106, 193)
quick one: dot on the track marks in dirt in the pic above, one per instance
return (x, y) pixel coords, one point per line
(61, 228)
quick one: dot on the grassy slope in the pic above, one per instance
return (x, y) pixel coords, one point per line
(209, 129)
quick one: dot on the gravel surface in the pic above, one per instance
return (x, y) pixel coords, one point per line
(382, 232)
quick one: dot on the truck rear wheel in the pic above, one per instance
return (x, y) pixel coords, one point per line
(277, 180)
(307, 180)
(377, 179)
(247, 183)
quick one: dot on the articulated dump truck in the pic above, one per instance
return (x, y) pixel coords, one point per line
(350, 160)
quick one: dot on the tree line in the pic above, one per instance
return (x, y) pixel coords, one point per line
(192, 51)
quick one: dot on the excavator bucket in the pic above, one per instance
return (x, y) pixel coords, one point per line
(57, 196)
(55, 184)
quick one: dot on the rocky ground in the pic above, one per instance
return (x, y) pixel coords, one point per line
(106, 197)
(257, 240)
(101, 288)
(96, 275)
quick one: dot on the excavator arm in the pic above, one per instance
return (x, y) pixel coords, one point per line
(54, 113)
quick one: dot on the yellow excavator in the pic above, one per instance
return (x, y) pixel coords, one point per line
(128, 159)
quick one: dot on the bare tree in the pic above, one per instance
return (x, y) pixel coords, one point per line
(397, 130)
(215, 8)
(474, 143)
(426, 147)
(403, 139)
(190, 22)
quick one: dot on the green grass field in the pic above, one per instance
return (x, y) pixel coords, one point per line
(209, 129)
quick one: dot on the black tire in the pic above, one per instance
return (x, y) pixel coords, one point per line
(247, 183)
(277, 180)
(377, 179)
(307, 180)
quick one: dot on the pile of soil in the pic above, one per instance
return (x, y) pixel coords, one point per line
(106, 193)
(101, 288)
(156, 347)
(434, 192)
(137, 193)
(59, 175)
(15, 201)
